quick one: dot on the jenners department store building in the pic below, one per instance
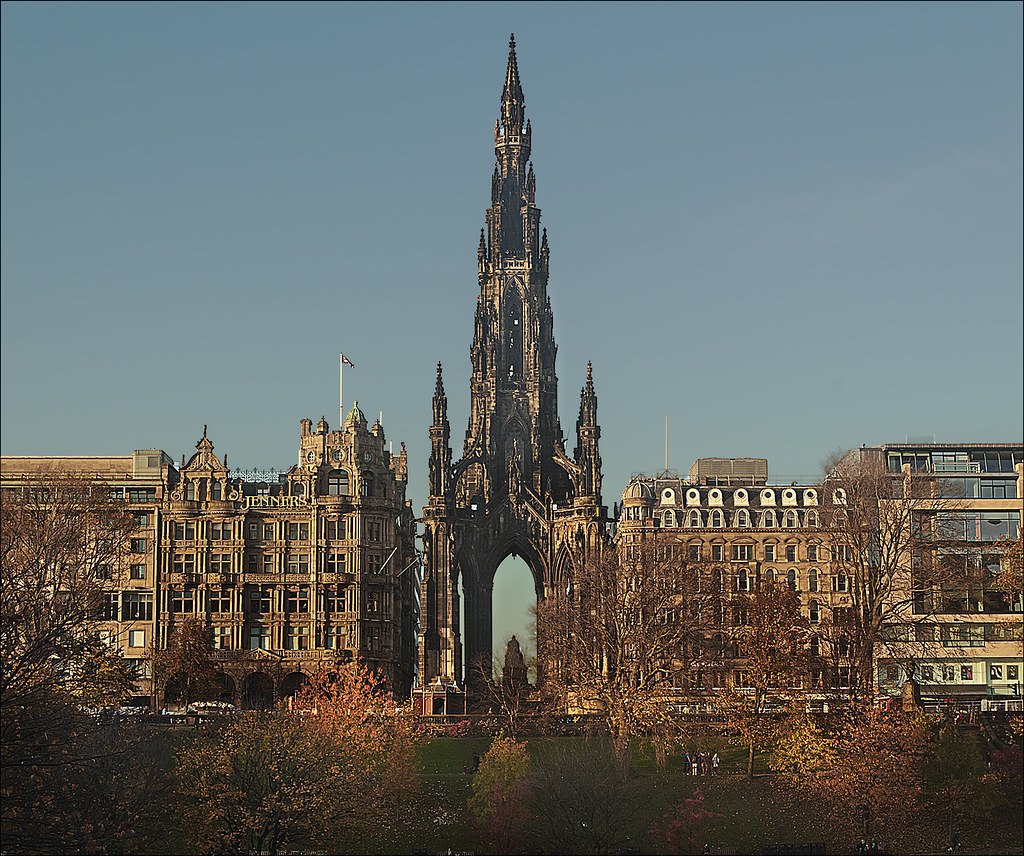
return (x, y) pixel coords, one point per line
(292, 571)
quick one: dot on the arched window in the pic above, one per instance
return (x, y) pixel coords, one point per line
(742, 519)
(813, 613)
(769, 576)
(815, 646)
(216, 490)
(812, 519)
(693, 519)
(337, 483)
(298, 489)
(812, 580)
(790, 520)
(791, 579)
(668, 519)
(768, 520)
(716, 520)
(366, 484)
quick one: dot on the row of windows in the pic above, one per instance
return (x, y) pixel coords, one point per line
(717, 518)
(259, 600)
(695, 551)
(333, 530)
(949, 673)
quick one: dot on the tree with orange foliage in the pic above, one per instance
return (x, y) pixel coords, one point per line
(869, 767)
(312, 777)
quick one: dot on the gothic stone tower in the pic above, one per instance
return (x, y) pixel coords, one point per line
(515, 491)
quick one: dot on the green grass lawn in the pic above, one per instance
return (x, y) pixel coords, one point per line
(749, 814)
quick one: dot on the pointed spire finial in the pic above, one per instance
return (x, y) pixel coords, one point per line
(590, 372)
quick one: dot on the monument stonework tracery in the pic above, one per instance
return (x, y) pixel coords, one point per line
(515, 491)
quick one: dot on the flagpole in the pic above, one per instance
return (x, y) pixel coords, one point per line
(341, 392)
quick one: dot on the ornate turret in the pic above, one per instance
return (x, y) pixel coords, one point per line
(588, 434)
(440, 437)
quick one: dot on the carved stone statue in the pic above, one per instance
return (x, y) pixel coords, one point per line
(514, 672)
(513, 654)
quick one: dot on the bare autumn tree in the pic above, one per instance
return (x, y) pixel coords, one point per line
(506, 699)
(63, 544)
(770, 633)
(618, 640)
(881, 527)
(1010, 582)
(187, 662)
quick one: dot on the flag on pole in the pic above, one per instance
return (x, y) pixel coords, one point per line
(347, 362)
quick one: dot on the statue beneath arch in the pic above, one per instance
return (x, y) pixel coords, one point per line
(515, 491)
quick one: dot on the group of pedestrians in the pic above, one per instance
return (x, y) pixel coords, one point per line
(701, 763)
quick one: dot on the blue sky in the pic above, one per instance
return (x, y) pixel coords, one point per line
(787, 227)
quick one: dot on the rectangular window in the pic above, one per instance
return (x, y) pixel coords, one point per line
(184, 563)
(102, 571)
(892, 673)
(297, 638)
(296, 600)
(259, 600)
(298, 531)
(142, 494)
(220, 600)
(742, 552)
(258, 638)
(137, 572)
(966, 673)
(222, 638)
(254, 530)
(374, 530)
(108, 608)
(184, 531)
(136, 638)
(136, 606)
(693, 551)
(138, 545)
(812, 553)
(717, 552)
(183, 600)
(1012, 673)
(769, 552)
(373, 563)
(267, 563)
(220, 531)
(220, 563)
(334, 530)
(335, 562)
(268, 531)
(334, 636)
(334, 599)
(791, 552)
(141, 519)
(298, 563)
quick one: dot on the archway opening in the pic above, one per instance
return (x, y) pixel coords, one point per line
(513, 601)
(258, 692)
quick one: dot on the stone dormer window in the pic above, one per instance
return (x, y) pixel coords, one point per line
(337, 483)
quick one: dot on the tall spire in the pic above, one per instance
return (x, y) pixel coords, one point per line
(440, 399)
(512, 95)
